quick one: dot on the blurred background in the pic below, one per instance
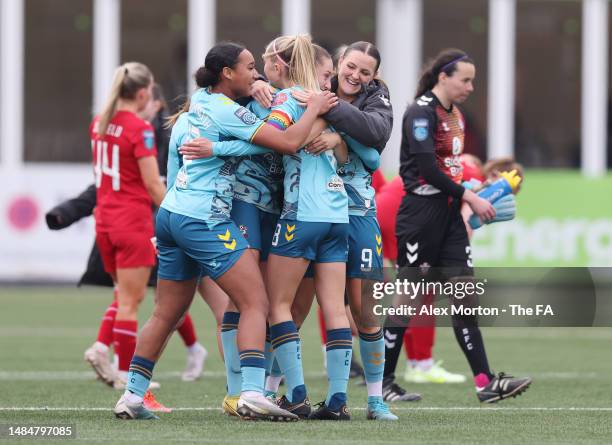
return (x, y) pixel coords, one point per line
(542, 95)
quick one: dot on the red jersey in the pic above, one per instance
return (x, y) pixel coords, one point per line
(122, 201)
(388, 201)
(378, 180)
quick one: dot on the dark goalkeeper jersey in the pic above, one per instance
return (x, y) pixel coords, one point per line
(427, 127)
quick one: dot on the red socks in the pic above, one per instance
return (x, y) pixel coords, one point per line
(124, 337)
(420, 336)
(105, 333)
(187, 331)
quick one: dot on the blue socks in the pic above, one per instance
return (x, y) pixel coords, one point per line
(372, 349)
(229, 332)
(252, 366)
(286, 343)
(139, 375)
(339, 349)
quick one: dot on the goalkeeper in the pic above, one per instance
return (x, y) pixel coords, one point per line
(430, 230)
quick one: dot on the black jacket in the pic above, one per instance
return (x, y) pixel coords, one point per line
(368, 119)
(69, 212)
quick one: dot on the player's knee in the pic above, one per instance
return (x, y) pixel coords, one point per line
(257, 302)
(298, 314)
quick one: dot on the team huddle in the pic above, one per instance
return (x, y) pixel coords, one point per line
(270, 202)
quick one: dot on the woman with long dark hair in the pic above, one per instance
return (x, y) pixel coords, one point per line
(431, 235)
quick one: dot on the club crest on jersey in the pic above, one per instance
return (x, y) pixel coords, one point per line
(457, 145)
(244, 230)
(385, 100)
(420, 129)
(149, 139)
(279, 99)
(245, 116)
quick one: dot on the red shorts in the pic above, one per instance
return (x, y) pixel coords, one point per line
(120, 250)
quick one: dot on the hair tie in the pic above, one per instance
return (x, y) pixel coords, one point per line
(277, 55)
(458, 59)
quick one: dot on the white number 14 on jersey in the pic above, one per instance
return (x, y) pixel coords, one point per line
(101, 167)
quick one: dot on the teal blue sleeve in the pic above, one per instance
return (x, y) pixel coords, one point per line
(237, 148)
(285, 111)
(259, 111)
(236, 121)
(174, 161)
(369, 156)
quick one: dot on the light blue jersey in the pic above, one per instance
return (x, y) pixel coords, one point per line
(358, 179)
(204, 188)
(259, 177)
(313, 191)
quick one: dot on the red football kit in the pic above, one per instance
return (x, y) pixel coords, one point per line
(123, 213)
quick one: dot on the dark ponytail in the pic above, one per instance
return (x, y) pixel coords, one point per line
(445, 62)
(223, 54)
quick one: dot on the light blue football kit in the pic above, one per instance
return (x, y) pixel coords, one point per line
(194, 230)
(365, 259)
(314, 217)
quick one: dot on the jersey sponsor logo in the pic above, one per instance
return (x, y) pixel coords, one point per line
(445, 127)
(385, 100)
(279, 99)
(149, 139)
(335, 184)
(245, 116)
(420, 129)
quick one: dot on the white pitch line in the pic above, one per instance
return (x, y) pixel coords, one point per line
(395, 408)
(88, 375)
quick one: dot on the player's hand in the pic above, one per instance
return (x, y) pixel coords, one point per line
(323, 102)
(302, 96)
(196, 149)
(505, 210)
(481, 207)
(325, 141)
(261, 91)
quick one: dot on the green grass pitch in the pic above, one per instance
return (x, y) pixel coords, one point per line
(44, 331)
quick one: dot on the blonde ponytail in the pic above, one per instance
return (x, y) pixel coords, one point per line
(297, 55)
(171, 120)
(127, 80)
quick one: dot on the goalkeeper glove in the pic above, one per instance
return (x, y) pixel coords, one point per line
(505, 210)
